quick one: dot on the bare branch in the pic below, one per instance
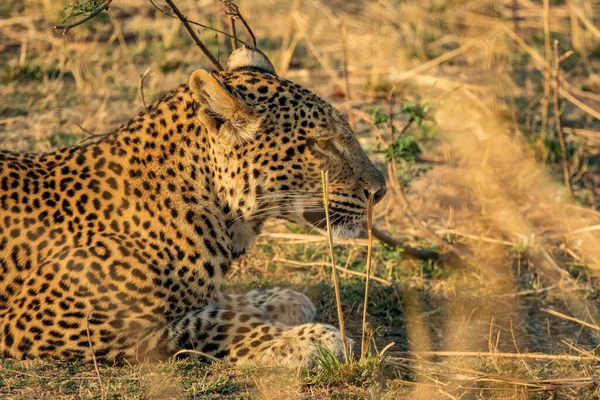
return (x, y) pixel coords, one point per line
(65, 28)
(141, 86)
(233, 10)
(407, 251)
(210, 28)
(232, 32)
(188, 28)
(90, 135)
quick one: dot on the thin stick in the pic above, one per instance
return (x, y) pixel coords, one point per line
(336, 284)
(580, 350)
(90, 135)
(364, 339)
(210, 28)
(559, 131)
(533, 356)
(141, 86)
(193, 35)
(408, 251)
(239, 15)
(233, 10)
(321, 264)
(569, 318)
(232, 32)
(89, 337)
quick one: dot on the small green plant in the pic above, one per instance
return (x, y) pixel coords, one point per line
(82, 8)
(333, 371)
(326, 360)
(405, 148)
(417, 112)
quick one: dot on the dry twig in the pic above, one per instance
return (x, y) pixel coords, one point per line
(233, 11)
(232, 33)
(141, 86)
(90, 135)
(167, 13)
(190, 31)
(322, 264)
(408, 251)
(569, 318)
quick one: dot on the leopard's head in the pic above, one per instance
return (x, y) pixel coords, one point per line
(277, 137)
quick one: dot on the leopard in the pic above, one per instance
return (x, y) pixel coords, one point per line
(116, 250)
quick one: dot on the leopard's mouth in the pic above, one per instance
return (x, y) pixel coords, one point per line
(343, 225)
(318, 219)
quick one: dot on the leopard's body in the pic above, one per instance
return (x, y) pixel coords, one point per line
(125, 242)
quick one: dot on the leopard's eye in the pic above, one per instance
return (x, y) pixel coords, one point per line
(322, 143)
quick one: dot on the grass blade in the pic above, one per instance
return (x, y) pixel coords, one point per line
(334, 275)
(365, 340)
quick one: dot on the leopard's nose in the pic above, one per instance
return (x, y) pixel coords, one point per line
(378, 196)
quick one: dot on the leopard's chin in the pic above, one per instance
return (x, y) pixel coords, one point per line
(346, 231)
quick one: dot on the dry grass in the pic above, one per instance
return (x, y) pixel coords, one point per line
(471, 326)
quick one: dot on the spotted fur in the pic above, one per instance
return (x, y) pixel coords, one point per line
(134, 234)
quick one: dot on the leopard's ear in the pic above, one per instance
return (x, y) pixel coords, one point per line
(221, 111)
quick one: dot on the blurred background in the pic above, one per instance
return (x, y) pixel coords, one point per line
(485, 117)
